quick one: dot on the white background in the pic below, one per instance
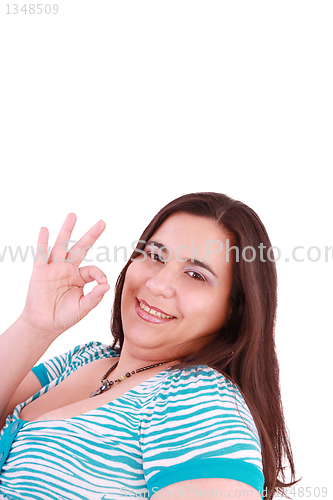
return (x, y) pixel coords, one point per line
(111, 109)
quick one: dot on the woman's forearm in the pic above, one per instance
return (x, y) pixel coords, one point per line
(20, 349)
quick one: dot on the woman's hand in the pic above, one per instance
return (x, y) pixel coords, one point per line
(55, 299)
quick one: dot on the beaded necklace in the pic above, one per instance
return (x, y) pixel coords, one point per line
(107, 384)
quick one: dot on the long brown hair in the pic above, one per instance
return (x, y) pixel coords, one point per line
(244, 348)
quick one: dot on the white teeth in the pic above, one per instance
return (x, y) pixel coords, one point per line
(153, 312)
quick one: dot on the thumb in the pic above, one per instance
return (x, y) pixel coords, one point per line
(93, 298)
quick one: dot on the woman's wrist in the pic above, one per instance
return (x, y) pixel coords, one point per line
(38, 335)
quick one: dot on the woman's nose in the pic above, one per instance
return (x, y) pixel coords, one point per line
(162, 282)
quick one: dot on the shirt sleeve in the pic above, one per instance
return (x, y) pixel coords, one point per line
(199, 426)
(55, 367)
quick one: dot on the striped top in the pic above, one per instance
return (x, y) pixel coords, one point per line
(178, 425)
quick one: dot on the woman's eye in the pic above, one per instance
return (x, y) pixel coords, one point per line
(195, 275)
(155, 257)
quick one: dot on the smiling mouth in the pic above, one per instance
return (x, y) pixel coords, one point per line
(154, 312)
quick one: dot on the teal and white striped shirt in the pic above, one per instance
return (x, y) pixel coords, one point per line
(175, 426)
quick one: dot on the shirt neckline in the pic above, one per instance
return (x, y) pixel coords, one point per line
(81, 415)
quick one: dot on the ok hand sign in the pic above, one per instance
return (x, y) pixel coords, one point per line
(55, 299)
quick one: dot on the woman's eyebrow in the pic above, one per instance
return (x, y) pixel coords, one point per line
(196, 262)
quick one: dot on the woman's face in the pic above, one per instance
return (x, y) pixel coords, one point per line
(176, 296)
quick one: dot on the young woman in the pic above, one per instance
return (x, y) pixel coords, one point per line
(185, 402)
